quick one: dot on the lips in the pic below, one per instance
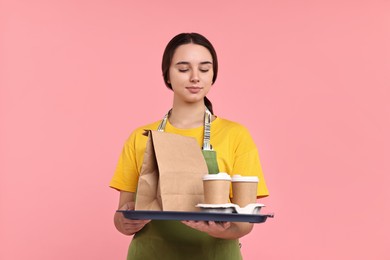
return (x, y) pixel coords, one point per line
(194, 89)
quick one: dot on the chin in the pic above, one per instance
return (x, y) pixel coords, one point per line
(195, 100)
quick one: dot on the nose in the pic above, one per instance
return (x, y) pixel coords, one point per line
(194, 76)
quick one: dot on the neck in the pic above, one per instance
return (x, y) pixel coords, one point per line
(187, 116)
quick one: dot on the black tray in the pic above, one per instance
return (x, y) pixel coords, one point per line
(198, 216)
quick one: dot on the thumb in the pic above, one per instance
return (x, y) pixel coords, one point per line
(128, 206)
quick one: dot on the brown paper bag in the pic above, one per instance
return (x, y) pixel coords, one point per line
(171, 173)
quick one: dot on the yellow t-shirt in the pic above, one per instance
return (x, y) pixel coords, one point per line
(236, 153)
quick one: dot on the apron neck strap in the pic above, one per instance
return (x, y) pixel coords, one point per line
(206, 131)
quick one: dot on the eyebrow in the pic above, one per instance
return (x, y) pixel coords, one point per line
(187, 63)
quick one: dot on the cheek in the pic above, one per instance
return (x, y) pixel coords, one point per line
(208, 78)
(177, 77)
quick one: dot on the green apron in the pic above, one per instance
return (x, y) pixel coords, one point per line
(170, 240)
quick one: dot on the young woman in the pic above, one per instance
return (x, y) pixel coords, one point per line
(189, 67)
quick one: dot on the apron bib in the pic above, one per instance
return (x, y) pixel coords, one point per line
(171, 240)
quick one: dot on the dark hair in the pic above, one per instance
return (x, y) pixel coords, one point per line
(186, 38)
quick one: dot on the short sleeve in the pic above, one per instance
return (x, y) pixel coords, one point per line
(126, 174)
(247, 161)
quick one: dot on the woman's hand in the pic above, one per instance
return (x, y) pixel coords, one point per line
(128, 226)
(210, 227)
(225, 230)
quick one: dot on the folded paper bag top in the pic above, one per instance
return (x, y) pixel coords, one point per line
(171, 173)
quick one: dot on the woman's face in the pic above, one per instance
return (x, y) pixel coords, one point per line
(191, 73)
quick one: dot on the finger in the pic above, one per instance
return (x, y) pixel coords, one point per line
(134, 225)
(191, 224)
(124, 207)
(226, 225)
(127, 220)
(188, 221)
(218, 227)
(222, 224)
(128, 206)
(131, 205)
(199, 225)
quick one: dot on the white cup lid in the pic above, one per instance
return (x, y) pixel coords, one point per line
(240, 178)
(218, 176)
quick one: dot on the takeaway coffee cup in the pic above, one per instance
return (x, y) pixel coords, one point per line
(244, 189)
(216, 188)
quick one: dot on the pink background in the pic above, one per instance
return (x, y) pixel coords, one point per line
(310, 79)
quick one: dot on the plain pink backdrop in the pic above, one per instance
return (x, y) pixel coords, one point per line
(310, 79)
